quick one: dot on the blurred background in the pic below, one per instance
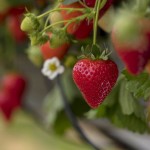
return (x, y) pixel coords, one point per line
(39, 114)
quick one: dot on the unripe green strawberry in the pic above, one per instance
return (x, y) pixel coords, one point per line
(30, 23)
(126, 26)
(56, 17)
(35, 55)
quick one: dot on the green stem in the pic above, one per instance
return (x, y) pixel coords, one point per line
(59, 9)
(97, 8)
(75, 19)
(56, 23)
(66, 21)
(83, 4)
(46, 22)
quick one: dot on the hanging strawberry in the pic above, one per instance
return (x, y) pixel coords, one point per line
(95, 79)
(57, 47)
(12, 89)
(79, 29)
(131, 41)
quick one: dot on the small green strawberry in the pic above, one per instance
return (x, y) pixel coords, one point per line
(30, 23)
(35, 55)
(55, 17)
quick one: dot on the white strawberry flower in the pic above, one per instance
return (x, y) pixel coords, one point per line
(52, 68)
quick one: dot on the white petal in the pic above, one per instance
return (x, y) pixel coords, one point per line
(44, 71)
(47, 62)
(55, 60)
(60, 70)
(49, 73)
(53, 75)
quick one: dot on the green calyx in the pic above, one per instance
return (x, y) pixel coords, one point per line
(38, 38)
(58, 38)
(30, 23)
(94, 52)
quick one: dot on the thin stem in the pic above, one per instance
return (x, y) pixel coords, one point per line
(97, 8)
(83, 4)
(56, 23)
(46, 22)
(59, 9)
(75, 19)
(68, 22)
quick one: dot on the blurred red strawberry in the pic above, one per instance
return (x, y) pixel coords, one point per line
(12, 89)
(81, 30)
(16, 11)
(131, 40)
(49, 52)
(14, 84)
(13, 23)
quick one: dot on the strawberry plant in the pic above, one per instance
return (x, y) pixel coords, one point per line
(70, 25)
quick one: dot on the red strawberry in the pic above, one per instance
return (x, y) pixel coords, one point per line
(13, 23)
(14, 84)
(132, 43)
(95, 79)
(67, 16)
(12, 88)
(80, 30)
(16, 11)
(8, 104)
(84, 29)
(59, 52)
(5, 105)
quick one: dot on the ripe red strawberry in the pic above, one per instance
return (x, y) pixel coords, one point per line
(12, 88)
(81, 30)
(13, 23)
(59, 52)
(131, 40)
(67, 16)
(95, 79)
(14, 84)
(16, 11)
(8, 104)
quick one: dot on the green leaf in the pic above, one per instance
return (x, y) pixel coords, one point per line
(97, 113)
(130, 122)
(139, 85)
(61, 123)
(126, 100)
(52, 105)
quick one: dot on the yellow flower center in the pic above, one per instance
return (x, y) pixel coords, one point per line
(52, 67)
